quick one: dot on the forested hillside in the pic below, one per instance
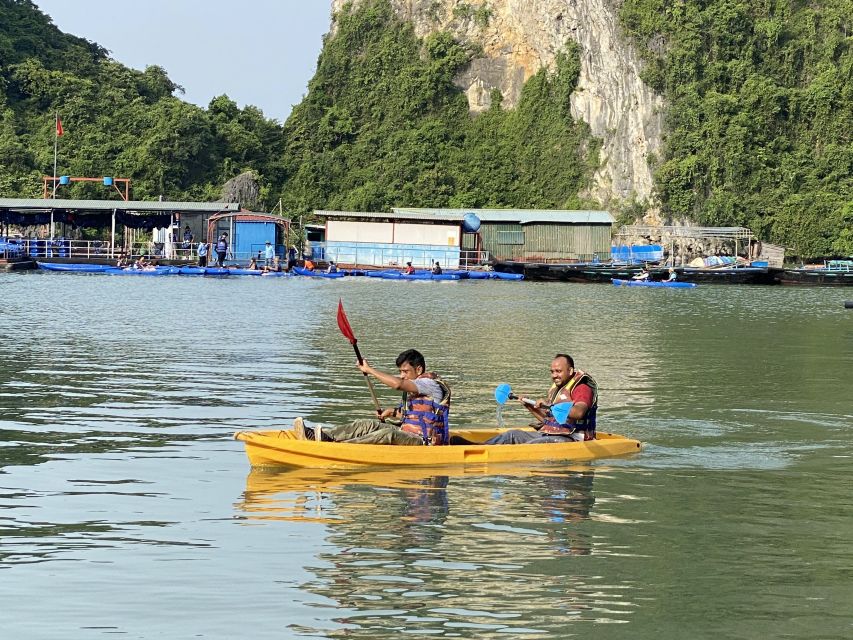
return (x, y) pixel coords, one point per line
(759, 121)
(760, 118)
(383, 125)
(117, 121)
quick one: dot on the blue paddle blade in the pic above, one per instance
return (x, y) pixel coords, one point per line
(561, 411)
(502, 393)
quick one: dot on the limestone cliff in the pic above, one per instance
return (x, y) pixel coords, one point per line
(519, 37)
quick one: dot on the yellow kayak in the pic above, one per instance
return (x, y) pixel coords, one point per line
(283, 449)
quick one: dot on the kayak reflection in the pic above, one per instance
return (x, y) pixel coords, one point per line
(436, 547)
(512, 500)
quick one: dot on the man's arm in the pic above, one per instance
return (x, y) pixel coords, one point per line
(395, 382)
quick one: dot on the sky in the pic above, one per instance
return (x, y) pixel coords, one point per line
(258, 52)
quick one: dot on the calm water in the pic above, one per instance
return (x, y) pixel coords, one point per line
(126, 509)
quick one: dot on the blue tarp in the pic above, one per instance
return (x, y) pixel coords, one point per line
(637, 253)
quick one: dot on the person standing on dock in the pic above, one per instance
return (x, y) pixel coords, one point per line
(570, 385)
(188, 238)
(202, 254)
(269, 254)
(221, 249)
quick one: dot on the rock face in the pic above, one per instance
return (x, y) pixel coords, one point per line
(243, 189)
(519, 37)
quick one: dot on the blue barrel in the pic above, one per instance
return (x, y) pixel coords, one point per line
(470, 223)
(36, 247)
(62, 246)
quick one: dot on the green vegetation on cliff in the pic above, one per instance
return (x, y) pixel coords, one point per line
(760, 119)
(759, 128)
(117, 121)
(383, 126)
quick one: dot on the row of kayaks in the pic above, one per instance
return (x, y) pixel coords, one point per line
(221, 271)
(154, 271)
(650, 283)
(283, 449)
(446, 275)
(393, 274)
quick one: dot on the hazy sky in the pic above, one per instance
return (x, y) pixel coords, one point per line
(260, 52)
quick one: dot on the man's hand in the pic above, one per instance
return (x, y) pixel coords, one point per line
(388, 413)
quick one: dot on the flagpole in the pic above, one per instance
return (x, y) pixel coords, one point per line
(55, 155)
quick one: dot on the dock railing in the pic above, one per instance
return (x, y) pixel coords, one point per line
(361, 255)
(57, 248)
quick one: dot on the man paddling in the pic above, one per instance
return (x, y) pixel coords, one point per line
(570, 385)
(421, 418)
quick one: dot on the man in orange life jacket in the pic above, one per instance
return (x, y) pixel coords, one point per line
(570, 385)
(421, 419)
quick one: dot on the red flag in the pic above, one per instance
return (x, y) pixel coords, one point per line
(59, 129)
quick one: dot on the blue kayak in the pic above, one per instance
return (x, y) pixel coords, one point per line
(317, 274)
(78, 268)
(498, 275)
(245, 272)
(204, 271)
(156, 271)
(425, 275)
(648, 283)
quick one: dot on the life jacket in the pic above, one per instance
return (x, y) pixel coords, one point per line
(585, 424)
(427, 418)
(222, 246)
(309, 265)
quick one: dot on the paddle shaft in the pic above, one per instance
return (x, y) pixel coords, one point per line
(527, 401)
(367, 378)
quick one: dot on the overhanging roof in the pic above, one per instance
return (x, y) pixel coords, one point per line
(33, 205)
(720, 233)
(519, 216)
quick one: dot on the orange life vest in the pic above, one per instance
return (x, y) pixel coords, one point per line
(564, 394)
(425, 417)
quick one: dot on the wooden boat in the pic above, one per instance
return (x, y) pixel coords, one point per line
(283, 449)
(832, 273)
(650, 283)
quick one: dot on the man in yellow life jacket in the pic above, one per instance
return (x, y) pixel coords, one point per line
(570, 385)
(421, 418)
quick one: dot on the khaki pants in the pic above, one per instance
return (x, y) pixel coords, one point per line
(369, 431)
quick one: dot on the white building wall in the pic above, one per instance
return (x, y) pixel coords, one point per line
(432, 234)
(348, 231)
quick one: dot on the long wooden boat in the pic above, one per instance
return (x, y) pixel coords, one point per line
(283, 449)
(833, 273)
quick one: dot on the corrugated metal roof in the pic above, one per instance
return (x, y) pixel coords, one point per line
(388, 215)
(32, 204)
(521, 216)
(518, 216)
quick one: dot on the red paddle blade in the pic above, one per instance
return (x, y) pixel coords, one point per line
(343, 323)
